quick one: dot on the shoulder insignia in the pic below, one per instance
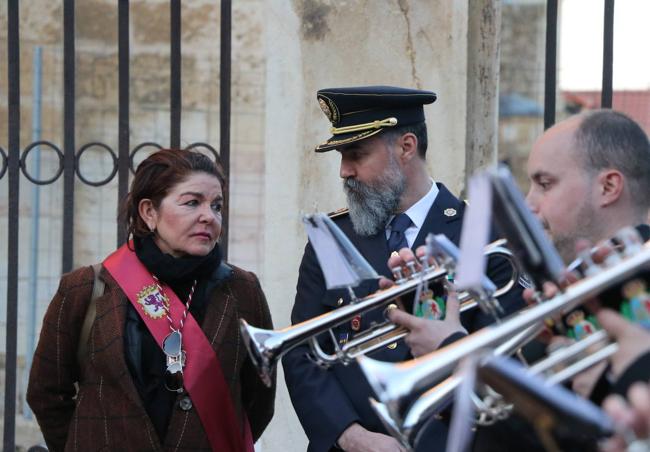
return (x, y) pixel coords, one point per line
(339, 213)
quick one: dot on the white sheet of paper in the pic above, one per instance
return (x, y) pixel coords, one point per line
(462, 418)
(476, 232)
(340, 261)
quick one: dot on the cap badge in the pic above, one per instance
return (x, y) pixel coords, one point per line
(325, 108)
(450, 212)
(329, 108)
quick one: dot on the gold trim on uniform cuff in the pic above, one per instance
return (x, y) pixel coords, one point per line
(388, 122)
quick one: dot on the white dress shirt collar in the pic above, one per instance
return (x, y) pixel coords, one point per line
(417, 213)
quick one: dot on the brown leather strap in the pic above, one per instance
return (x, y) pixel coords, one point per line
(91, 313)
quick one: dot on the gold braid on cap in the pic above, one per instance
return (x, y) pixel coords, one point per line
(388, 122)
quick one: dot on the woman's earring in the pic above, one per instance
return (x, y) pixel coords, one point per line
(151, 228)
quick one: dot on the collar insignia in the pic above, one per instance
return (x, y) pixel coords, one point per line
(450, 212)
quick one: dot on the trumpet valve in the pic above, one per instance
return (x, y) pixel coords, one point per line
(398, 275)
(587, 265)
(412, 270)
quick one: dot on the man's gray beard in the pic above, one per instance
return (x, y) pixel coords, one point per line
(372, 205)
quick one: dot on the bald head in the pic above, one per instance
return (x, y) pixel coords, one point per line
(589, 177)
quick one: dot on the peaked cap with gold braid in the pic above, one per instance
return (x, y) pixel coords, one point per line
(360, 112)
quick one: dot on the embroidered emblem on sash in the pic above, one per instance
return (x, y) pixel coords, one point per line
(154, 303)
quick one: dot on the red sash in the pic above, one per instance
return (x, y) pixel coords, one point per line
(202, 376)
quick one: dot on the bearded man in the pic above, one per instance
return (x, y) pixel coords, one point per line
(381, 137)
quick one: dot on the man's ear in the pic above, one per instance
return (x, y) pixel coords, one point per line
(148, 213)
(408, 144)
(610, 185)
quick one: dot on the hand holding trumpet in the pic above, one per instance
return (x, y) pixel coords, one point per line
(424, 335)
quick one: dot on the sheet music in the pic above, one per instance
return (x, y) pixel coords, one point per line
(341, 263)
(476, 232)
(462, 418)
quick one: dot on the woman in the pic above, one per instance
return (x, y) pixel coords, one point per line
(152, 378)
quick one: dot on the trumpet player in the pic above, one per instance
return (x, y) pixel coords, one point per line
(380, 135)
(590, 176)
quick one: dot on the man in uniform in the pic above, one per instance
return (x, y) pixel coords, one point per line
(381, 137)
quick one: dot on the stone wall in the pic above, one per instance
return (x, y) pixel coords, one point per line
(523, 46)
(523, 35)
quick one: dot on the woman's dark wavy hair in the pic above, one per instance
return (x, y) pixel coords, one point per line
(155, 177)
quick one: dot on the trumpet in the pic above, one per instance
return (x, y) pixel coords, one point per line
(404, 397)
(266, 347)
(407, 427)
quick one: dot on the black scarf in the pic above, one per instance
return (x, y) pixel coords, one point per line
(175, 270)
(145, 359)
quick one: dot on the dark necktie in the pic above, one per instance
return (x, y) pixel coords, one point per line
(397, 239)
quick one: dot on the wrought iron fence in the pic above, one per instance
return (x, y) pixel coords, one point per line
(13, 160)
(550, 71)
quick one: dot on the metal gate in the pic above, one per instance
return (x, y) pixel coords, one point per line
(13, 159)
(550, 79)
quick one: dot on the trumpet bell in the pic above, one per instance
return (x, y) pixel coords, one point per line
(384, 379)
(261, 348)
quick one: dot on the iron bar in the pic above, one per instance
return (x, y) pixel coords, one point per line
(551, 63)
(68, 133)
(224, 111)
(175, 82)
(13, 136)
(123, 110)
(608, 56)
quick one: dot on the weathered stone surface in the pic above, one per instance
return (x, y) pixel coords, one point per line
(482, 85)
(523, 35)
(150, 83)
(522, 53)
(200, 25)
(314, 17)
(96, 21)
(41, 21)
(97, 78)
(150, 22)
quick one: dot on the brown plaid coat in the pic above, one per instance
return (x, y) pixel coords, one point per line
(107, 413)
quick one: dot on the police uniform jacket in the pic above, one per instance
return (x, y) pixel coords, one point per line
(107, 413)
(328, 401)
